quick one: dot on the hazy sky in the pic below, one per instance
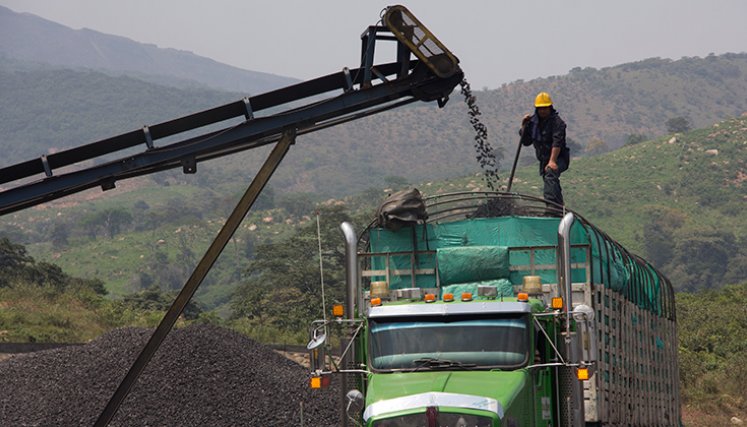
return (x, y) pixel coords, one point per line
(496, 41)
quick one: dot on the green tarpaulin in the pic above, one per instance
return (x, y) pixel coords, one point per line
(475, 250)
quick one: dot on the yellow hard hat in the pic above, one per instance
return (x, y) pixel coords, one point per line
(542, 100)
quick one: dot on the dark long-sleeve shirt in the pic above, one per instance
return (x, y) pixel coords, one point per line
(544, 135)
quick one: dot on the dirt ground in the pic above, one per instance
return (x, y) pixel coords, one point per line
(694, 417)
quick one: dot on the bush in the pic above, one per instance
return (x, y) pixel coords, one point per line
(713, 351)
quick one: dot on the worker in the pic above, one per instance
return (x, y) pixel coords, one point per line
(546, 131)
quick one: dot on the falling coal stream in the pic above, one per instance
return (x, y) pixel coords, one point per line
(486, 156)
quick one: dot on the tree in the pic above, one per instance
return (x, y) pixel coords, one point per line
(115, 219)
(700, 258)
(59, 236)
(283, 279)
(111, 221)
(13, 261)
(13, 255)
(596, 146)
(296, 204)
(576, 148)
(678, 125)
(396, 182)
(635, 138)
(659, 229)
(154, 299)
(47, 274)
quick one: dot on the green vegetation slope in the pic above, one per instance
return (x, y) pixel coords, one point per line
(49, 109)
(676, 200)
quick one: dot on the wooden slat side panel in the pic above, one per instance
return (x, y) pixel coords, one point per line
(638, 380)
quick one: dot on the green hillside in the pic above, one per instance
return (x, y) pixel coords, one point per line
(676, 200)
(419, 142)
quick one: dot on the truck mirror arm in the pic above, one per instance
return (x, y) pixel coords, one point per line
(322, 325)
(549, 340)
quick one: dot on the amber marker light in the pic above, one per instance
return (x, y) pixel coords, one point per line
(523, 297)
(315, 382)
(466, 296)
(582, 373)
(556, 303)
(338, 310)
(430, 297)
(448, 297)
(376, 301)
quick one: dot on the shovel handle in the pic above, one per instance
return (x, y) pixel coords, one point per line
(513, 169)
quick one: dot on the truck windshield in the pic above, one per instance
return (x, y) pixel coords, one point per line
(438, 342)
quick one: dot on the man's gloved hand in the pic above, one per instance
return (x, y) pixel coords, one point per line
(525, 120)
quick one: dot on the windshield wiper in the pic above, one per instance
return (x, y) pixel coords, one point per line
(435, 363)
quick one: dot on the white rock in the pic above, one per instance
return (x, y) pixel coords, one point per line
(712, 152)
(736, 421)
(672, 140)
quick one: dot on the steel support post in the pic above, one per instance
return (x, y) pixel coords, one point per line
(199, 273)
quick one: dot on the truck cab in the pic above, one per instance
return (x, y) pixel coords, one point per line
(454, 362)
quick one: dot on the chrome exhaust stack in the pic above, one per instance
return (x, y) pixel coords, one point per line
(351, 267)
(563, 257)
(351, 280)
(574, 401)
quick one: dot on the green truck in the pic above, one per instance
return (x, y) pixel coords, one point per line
(497, 309)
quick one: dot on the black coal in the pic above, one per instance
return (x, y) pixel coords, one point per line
(487, 157)
(202, 375)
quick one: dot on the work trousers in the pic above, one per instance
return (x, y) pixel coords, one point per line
(552, 191)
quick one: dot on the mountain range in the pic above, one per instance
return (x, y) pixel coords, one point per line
(27, 37)
(75, 95)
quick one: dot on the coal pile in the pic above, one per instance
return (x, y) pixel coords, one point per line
(201, 375)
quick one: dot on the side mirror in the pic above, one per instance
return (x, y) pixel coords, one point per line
(316, 340)
(355, 404)
(316, 348)
(584, 317)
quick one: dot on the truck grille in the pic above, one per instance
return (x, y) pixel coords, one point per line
(443, 419)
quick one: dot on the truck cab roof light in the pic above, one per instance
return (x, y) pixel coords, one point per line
(582, 373)
(430, 297)
(448, 297)
(556, 303)
(523, 297)
(375, 302)
(338, 310)
(466, 296)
